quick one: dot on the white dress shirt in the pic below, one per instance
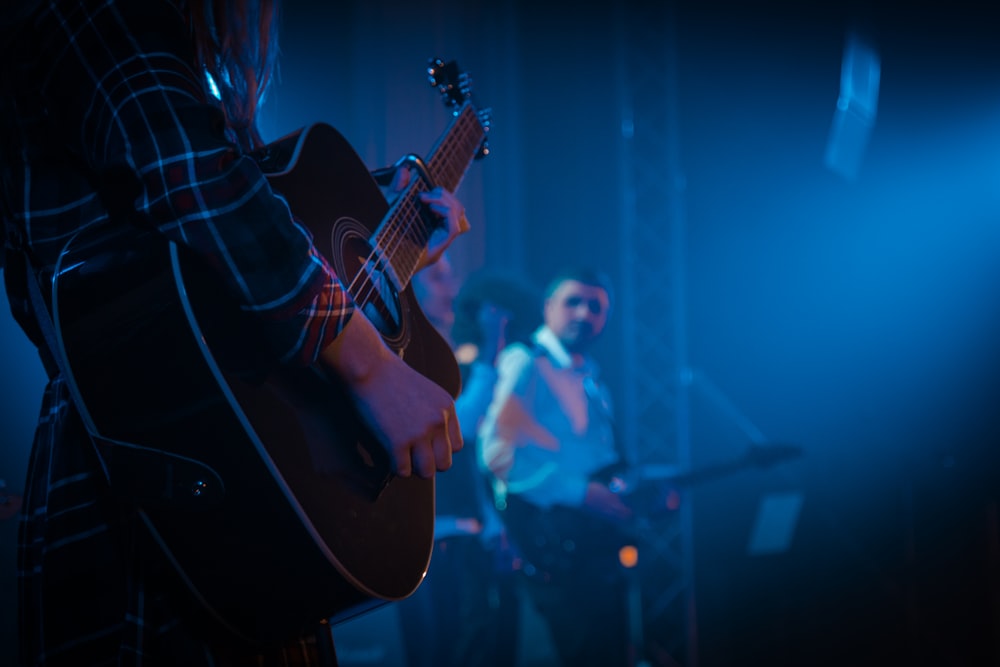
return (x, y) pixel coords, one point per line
(549, 426)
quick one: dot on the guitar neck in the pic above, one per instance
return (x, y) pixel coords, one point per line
(403, 235)
(450, 158)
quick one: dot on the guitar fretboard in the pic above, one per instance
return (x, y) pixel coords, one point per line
(408, 226)
(451, 156)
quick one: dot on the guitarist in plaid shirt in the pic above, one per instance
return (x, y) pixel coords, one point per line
(106, 106)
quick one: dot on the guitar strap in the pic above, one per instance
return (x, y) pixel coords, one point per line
(149, 477)
(146, 476)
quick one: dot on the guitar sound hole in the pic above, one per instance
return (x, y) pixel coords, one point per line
(373, 284)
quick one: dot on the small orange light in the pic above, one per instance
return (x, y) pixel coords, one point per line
(628, 556)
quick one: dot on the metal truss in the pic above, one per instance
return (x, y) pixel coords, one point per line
(655, 419)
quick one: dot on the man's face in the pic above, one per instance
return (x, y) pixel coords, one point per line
(576, 313)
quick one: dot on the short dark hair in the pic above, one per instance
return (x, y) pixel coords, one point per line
(581, 274)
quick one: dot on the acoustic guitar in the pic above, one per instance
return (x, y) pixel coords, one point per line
(273, 501)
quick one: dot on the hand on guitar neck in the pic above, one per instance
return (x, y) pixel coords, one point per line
(444, 204)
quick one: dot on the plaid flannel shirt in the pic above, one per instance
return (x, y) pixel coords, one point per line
(109, 87)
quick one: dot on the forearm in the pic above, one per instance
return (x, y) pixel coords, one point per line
(410, 415)
(354, 355)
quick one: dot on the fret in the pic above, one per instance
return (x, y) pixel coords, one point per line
(407, 228)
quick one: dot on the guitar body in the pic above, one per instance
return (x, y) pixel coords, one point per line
(298, 516)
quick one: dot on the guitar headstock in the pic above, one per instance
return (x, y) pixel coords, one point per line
(455, 87)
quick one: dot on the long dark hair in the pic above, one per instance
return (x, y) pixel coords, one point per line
(237, 44)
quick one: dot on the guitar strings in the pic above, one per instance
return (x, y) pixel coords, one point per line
(400, 226)
(362, 286)
(397, 234)
(465, 137)
(392, 237)
(461, 135)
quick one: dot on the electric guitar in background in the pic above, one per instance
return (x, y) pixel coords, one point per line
(560, 541)
(274, 502)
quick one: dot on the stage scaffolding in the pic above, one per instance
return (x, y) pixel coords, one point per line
(654, 417)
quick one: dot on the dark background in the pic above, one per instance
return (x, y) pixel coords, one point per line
(856, 317)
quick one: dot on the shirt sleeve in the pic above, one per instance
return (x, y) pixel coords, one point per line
(516, 445)
(477, 391)
(497, 442)
(122, 80)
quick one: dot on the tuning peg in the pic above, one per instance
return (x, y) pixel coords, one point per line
(434, 66)
(465, 84)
